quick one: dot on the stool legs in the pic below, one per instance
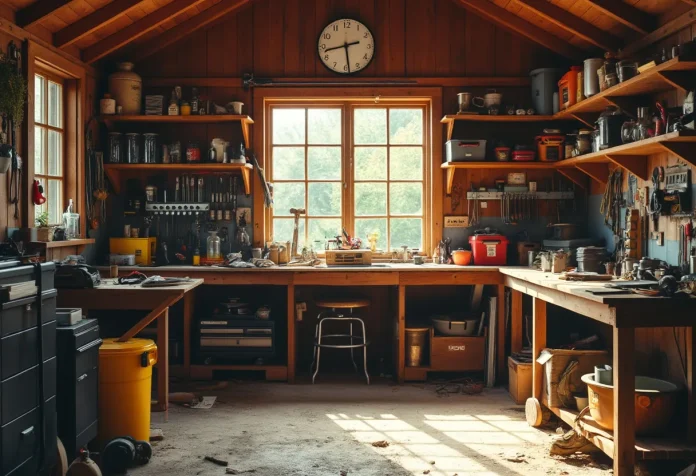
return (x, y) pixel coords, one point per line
(352, 357)
(318, 332)
(318, 350)
(364, 352)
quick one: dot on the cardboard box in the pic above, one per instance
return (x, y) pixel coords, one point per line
(520, 380)
(555, 362)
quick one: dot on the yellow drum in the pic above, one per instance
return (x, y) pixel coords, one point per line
(125, 386)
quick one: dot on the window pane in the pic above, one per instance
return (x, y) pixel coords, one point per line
(406, 163)
(55, 202)
(55, 104)
(370, 163)
(370, 199)
(55, 153)
(406, 231)
(39, 148)
(405, 198)
(405, 126)
(324, 199)
(324, 126)
(287, 196)
(288, 126)
(323, 229)
(283, 228)
(370, 126)
(39, 112)
(324, 163)
(288, 163)
(364, 227)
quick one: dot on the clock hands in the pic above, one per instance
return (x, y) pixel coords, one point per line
(347, 58)
(345, 45)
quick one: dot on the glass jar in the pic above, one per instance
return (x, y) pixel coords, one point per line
(115, 147)
(584, 144)
(132, 148)
(150, 148)
(213, 242)
(645, 128)
(570, 144)
(628, 130)
(175, 153)
(596, 143)
(611, 79)
(185, 109)
(193, 153)
(626, 70)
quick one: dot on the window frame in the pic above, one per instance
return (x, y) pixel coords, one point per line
(429, 97)
(45, 177)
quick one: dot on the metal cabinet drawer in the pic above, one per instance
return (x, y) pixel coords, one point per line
(18, 351)
(18, 451)
(20, 394)
(20, 314)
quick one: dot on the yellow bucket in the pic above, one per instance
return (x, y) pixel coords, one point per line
(125, 386)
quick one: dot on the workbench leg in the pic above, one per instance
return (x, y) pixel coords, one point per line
(292, 340)
(188, 319)
(500, 350)
(538, 344)
(163, 361)
(690, 368)
(516, 322)
(401, 336)
(624, 401)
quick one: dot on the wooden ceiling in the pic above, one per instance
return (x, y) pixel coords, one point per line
(97, 29)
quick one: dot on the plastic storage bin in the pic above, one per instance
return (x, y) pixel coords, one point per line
(568, 87)
(125, 385)
(544, 84)
(489, 250)
(465, 150)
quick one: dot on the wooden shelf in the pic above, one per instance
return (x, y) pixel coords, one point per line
(64, 243)
(115, 172)
(451, 119)
(671, 74)
(452, 167)
(647, 448)
(244, 121)
(634, 156)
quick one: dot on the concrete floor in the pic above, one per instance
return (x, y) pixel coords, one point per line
(265, 429)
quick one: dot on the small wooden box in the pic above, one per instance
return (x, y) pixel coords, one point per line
(454, 354)
(520, 380)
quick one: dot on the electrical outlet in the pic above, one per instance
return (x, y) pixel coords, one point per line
(659, 237)
(484, 204)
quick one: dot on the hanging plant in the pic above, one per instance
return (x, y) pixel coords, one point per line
(13, 94)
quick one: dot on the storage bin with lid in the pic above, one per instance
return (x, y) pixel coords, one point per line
(568, 87)
(551, 147)
(125, 385)
(465, 150)
(544, 81)
(490, 249)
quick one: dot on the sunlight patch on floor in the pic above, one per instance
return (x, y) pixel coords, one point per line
(444, 445)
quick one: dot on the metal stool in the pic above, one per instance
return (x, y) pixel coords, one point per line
(334, 312)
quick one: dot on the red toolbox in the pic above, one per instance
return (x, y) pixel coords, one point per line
(489, 248)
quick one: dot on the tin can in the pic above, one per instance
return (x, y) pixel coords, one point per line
(126, 231)
(151, 193)
(193, 153)
(113, 271)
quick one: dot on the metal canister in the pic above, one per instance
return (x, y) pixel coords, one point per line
(531, 256)
(193, 153)
(692, 264)
(151, 193)
(590, 77)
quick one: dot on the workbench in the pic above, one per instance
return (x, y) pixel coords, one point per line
(400, 276)
(157, 300)
(624, 313)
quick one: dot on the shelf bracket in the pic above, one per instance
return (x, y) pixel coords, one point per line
(635, 164)
(115, 179)
(246, 178)
(684, 150)
(578, 178)
(682, 80)
(450, 129)
(596, 171)
(245, 133)
(450, 180)
(586, 118)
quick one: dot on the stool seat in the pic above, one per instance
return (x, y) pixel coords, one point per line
(342, 303)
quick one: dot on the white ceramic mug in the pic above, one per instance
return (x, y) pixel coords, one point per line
(237, 107)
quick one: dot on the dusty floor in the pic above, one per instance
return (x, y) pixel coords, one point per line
(266, 429)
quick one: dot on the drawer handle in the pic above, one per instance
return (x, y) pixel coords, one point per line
(28, 432)
(81, 377)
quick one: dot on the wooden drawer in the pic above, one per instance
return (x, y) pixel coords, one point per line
(457, 353)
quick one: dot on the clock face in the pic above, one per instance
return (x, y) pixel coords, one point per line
(346, 46)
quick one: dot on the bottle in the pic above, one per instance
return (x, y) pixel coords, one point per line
(71, 222)
(194, 101)
(196, 257)
(213, 242)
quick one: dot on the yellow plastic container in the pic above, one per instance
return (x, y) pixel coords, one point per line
(144, 249)
(125, 386)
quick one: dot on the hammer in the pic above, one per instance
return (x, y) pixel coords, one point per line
(297, 212)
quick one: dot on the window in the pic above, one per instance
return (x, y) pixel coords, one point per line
(350, 165)
(48, 143)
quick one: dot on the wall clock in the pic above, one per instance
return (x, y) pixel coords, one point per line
(346, 46)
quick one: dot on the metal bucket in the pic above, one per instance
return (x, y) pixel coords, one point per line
(415, 346)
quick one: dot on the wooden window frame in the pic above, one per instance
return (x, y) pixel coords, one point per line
(430, 97)
(45, 177)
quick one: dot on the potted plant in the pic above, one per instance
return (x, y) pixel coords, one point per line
(44, 232)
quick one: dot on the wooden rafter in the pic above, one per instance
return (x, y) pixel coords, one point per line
(199, 21)
(573, 24)
(668, 29)
(512, 22)
(141, 27)
(37, 11)
(630, 16)
(92, 22)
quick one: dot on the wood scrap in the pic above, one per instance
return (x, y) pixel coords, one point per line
(156, 434)
(380, 444)
(217, 461)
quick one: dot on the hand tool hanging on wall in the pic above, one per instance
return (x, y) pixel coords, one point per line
(14, 57)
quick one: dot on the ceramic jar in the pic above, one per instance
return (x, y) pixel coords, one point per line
(126, 87)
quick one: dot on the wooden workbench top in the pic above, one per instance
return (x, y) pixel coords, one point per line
(376, 268)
